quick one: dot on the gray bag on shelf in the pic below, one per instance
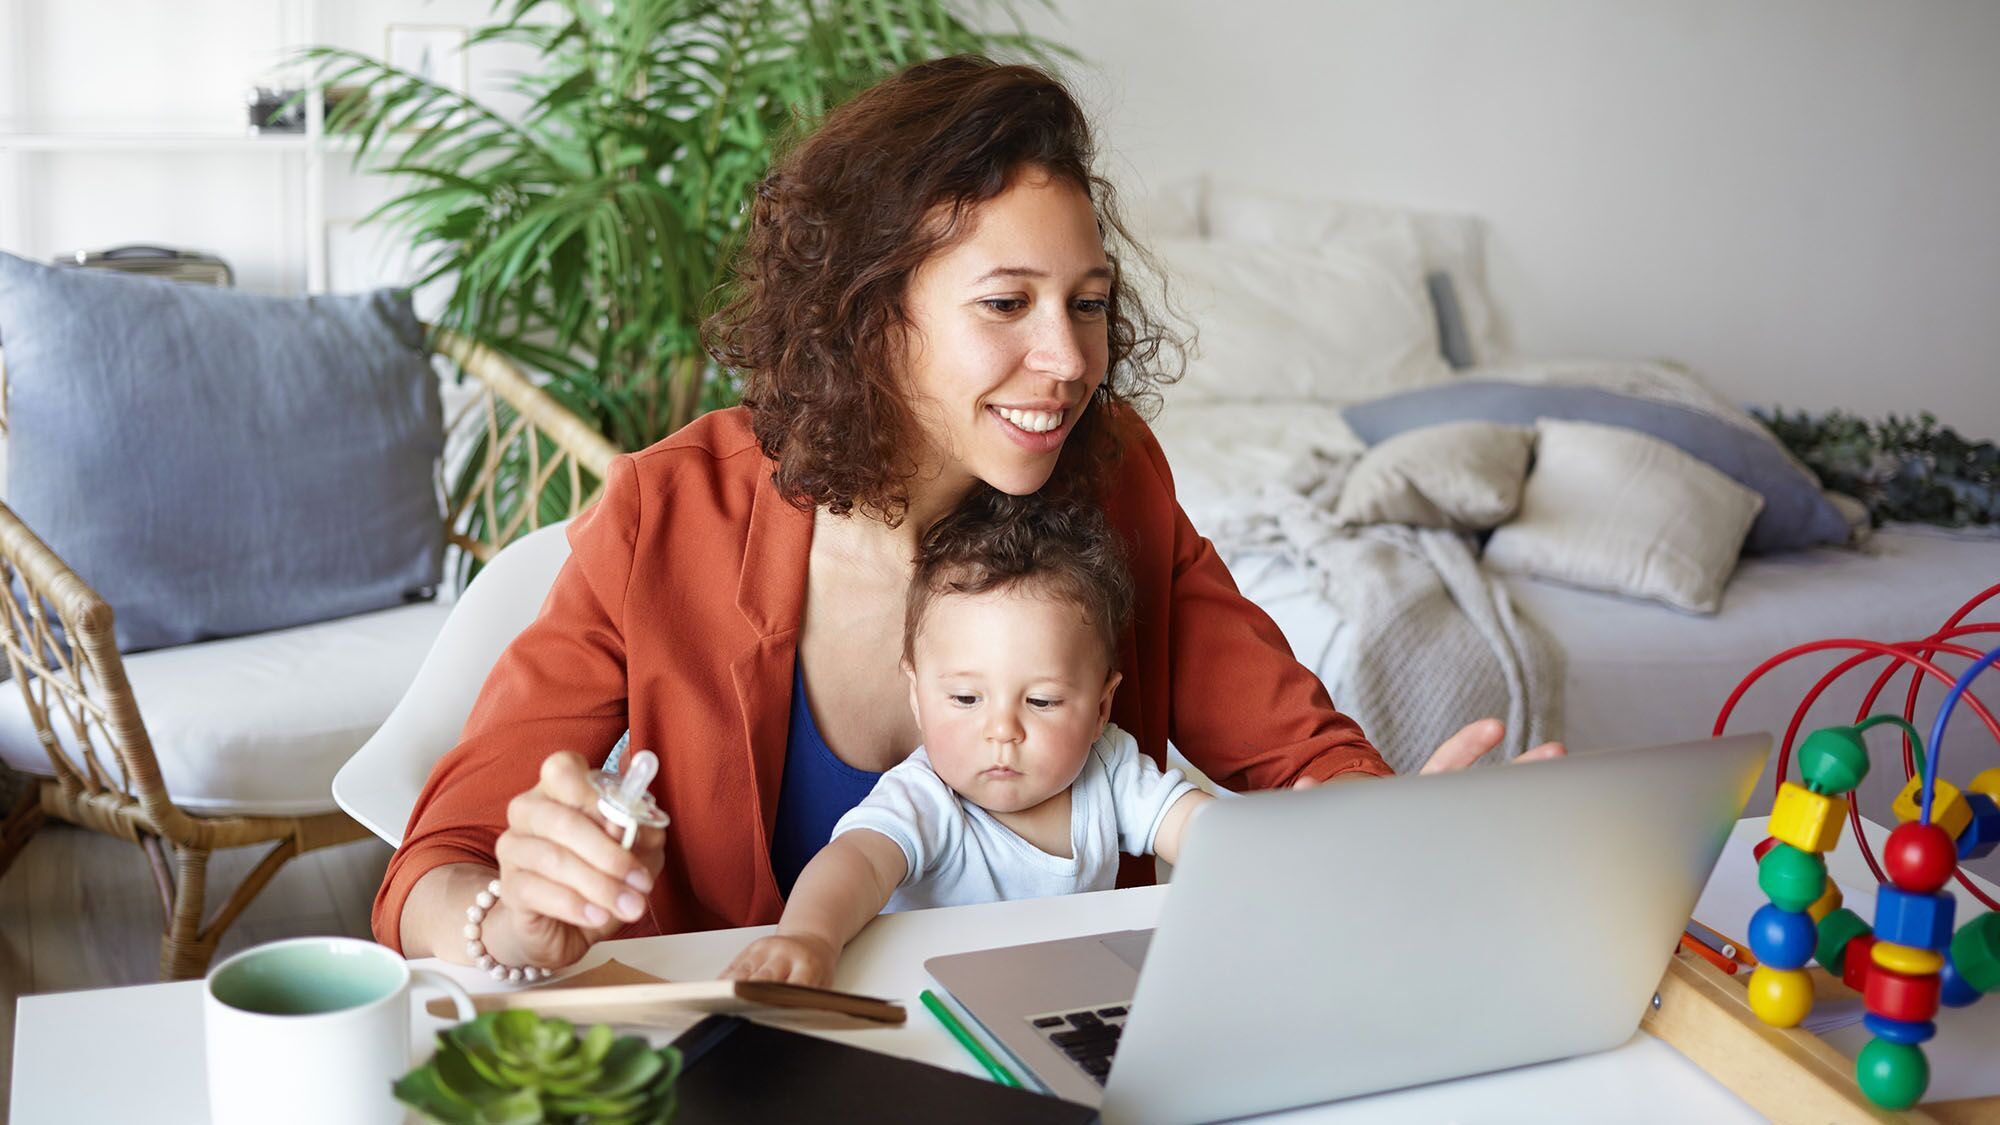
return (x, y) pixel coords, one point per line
(156, 261)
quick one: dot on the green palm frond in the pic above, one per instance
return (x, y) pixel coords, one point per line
(584, 234)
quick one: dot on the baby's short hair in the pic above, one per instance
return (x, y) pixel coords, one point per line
(1064, 548)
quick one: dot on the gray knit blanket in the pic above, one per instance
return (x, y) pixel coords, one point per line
(1438, 642)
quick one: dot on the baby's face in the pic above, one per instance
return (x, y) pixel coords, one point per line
(1010, 688)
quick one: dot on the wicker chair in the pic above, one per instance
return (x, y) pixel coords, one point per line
(108, 778)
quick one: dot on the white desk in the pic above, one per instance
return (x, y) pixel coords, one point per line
(135, 1054)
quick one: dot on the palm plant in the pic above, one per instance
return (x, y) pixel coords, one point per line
(585, 236)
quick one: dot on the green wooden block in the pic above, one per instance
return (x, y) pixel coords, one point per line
(1837, 929)
(1975, 952)
(1892, 1075)
(1791, 878)
(1833, 760)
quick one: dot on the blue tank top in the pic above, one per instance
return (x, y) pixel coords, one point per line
(818, 789)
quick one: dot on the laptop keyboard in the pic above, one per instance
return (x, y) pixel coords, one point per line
(1089, 1036)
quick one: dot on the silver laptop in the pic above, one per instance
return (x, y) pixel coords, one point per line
(1355, 938)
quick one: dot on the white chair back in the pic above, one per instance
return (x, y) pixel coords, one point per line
(379, 785)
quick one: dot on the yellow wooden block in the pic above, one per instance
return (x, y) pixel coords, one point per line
(1780, 997)
(1827, 903)
(1987, 782)
(1807, 820)
(1949, 809)
(1905, 959)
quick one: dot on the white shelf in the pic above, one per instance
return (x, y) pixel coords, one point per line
(300, 203)
(153, 142)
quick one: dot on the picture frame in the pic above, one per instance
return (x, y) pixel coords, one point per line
(436, 51)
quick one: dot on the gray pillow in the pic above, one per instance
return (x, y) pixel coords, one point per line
(1796, 512)
(216, 463)
(1453, 340)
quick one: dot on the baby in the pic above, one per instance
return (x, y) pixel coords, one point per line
(1022, 788)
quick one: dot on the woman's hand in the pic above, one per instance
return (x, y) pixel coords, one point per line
(1469, 745)
(565, 883)
(790, 958)
(1476, 741)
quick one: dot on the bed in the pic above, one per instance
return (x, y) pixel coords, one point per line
(1636, 671)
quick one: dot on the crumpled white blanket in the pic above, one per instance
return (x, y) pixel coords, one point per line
(1439, 642)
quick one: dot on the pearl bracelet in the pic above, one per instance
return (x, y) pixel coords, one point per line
(475, 947)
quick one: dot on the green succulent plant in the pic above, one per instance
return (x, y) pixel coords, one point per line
(516, 1068)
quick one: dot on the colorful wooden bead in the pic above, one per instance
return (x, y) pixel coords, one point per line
(1948, 808)
(1833, 760)
(1807, 820)
(1953, 991)
(1858, 963)
(1892, 1075)
(1987, 782)
(1791, 878)
(1918, 921)
(1900, 1031)
(1780, 997)
(1983, 834)
(1975, 952)
(1920, 857)
(1900, 996)
(1826, 903)
(1782, 939)
(1905, 960)
(1836, 930)
(1757, 853)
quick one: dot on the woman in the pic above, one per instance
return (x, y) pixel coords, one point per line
(925, 306)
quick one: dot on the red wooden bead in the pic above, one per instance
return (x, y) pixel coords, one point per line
(1901, 996)
(1920, 857)
(1857, 961)
(1757, 853)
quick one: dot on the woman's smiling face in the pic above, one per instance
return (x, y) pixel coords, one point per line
(1009, 337)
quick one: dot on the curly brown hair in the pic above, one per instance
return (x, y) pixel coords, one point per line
(1065, 549)
(815, 319)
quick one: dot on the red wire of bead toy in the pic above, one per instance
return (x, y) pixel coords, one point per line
(1910, 961)
(1904, 654)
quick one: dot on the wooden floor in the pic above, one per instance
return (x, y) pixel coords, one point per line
(79, 910)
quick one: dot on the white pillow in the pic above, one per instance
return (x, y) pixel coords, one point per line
(1608, 508)
(1172, 210)
(1455, 244)
(1336, 323)
(1462, 476)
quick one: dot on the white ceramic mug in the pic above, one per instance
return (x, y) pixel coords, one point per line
(312, 1030)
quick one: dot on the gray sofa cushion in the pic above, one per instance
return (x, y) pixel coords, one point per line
(1796, 512)
(1453, 340)
(214, 462)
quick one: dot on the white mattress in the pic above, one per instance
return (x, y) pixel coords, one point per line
(1637, 672)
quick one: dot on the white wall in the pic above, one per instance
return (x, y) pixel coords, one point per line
(1799, 197)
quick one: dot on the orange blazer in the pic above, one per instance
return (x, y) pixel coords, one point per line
(678, 615)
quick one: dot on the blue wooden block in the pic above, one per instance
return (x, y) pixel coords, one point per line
(1955, 991)
(1899, 1031)
(1782, 939)
(1918, 921)
(1978, 839)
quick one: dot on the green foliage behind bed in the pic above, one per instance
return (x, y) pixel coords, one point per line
(1903, 468)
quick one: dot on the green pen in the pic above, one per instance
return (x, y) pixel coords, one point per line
(993, 1066)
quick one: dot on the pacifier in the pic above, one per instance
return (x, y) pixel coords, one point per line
(623, 798)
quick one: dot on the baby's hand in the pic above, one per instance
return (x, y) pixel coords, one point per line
(791, 959)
